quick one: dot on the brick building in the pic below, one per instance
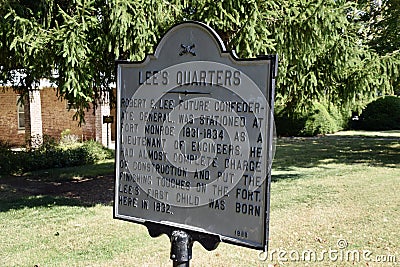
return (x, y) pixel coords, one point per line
(46, 114)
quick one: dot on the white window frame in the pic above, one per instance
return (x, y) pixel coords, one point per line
(20, 114)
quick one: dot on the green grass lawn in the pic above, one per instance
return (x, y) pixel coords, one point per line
(339, 188)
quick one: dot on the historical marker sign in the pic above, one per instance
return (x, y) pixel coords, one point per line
(194, 138)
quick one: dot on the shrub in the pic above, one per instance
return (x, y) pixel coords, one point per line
(67, 138)
(51, 155)
(289, 125)
(341, 116)
(321, 119)
(93, 151)
(381, 114)
(6, 158)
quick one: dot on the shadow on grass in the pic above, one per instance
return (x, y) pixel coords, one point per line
(279, 177)
(320, 151)
(76, 186)
(91, 185)
(38, 201)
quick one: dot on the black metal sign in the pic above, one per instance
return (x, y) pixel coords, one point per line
(194, 138)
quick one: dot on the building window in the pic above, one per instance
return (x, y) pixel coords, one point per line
(21, 114)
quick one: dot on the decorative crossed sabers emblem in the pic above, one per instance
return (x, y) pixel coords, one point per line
(187, 49)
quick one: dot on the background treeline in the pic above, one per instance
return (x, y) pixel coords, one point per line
(335, 56)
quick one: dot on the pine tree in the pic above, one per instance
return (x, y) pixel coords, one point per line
(327, 49)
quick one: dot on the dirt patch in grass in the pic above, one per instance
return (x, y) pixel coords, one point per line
(88, 190)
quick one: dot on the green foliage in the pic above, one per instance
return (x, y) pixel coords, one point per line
(342, 115)
(321, 119)
(288, 125)
(67, 138)
(323, 56)
(381, 32)
(329, 50)
(243, 25)
(6, 157)
(94, 151)
(52, 155)
(381, 114)
(384, 25)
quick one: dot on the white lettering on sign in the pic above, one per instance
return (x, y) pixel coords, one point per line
(208, 77)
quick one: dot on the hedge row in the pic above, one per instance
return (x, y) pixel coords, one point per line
(381, 114)
(321, 119)
(51, 155)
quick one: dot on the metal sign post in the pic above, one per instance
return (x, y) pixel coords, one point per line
(182, 241)
(181, 248)
(195, 142)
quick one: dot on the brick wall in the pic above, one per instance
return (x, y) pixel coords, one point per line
(9, 119)
(55, 118)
